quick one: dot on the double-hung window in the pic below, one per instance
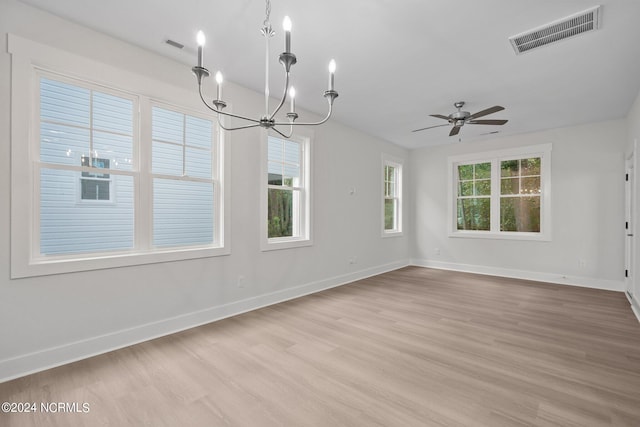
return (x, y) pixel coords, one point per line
(392, 196)
(105, 174)
(503, 194)
(286, 203)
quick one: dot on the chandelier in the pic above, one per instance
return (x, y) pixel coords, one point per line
(287, 59)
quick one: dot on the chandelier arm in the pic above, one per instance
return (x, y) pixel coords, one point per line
(307, 123)
(237, 128)
(222, 112)
(282, 134)
(284, 97)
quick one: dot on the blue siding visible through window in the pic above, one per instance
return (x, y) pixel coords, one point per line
(75, 124)
(182, 212)
(183, 209)
(67, 226)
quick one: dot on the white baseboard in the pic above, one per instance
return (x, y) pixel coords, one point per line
(635, 306)
(56, 356)
(586, 282)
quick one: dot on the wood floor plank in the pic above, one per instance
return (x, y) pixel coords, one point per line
(414, 347)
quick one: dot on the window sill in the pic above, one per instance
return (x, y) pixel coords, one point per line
(59, 264)
(543, 237)
(392, 234)
(279, 243)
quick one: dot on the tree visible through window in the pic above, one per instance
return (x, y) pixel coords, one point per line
(392, 200)
(520, 195)
(502, 193)
(474, 196)
(284, 190)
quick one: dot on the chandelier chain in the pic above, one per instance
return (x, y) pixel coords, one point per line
(267, 13)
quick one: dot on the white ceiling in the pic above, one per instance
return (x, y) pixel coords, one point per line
(401, 60)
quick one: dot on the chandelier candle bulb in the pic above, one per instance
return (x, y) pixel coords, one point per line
(269, 120)
(219, 82)
(286, 25)
(200, 38)
(332, 72)
(292, 94)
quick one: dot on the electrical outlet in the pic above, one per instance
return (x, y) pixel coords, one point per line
(582, 263)
(436, 251)
(240, 282)
(353, 260)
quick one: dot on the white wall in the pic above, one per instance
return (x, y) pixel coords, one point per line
(53, 319)
(587, 166)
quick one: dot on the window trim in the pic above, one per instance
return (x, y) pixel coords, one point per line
(28, 59)
(304, 137)
(388, 160)
(495, 157)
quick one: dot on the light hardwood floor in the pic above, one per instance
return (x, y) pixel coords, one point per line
(414, 347)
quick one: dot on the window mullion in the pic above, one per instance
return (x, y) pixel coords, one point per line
(144, 178)
(184, 145)
(495, 196)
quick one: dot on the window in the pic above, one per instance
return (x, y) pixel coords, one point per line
(286, 203)
(474, 196)
(502, 194)
(392, 197)
(95, 186)
(520, 194)
(183, 184)
(79, 126)
(104, 176)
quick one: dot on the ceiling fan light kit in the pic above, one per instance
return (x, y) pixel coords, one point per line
(459, 118)
(287, 59)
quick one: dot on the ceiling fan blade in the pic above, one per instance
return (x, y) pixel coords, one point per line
(454, 131)
(486, 112)
(439, 116)
(430, 127)
(487, 122)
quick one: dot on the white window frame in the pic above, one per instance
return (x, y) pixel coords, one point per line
(28, 61)
(303, 217)
(495, 157)
(398, 164)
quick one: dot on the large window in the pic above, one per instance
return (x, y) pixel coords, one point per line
(392, 196)
(502, 194)
(286, 205)
(79, 121)
(104, 176)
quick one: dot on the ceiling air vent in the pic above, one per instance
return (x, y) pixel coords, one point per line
(561, 29)
(174, 43)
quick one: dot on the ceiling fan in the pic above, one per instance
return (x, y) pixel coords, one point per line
(460, 118)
